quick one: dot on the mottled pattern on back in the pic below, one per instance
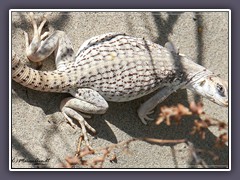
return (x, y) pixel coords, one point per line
(113, 67)
(123, 68)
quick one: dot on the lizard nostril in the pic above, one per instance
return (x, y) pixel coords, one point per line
(226, 103)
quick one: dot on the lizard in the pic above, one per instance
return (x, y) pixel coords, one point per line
(111, 67)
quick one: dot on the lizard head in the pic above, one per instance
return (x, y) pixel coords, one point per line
(213, 88)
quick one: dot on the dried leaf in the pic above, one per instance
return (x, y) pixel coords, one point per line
(222, 125)
(72, 160)
(183, 110)
(168, 122)
(160, 120)
(196, 108)
(221, 140)
(85, 151)
(113, 158)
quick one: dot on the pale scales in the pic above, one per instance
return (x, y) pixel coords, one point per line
(115, 63)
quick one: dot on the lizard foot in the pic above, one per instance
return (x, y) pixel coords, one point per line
(76, 109)
(143, 115)
(71, 115)
(38, 38)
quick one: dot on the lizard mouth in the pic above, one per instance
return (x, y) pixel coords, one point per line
(223, 103)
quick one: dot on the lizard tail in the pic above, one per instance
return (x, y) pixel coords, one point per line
(46, 81)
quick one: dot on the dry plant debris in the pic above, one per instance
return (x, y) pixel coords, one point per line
(94, 158)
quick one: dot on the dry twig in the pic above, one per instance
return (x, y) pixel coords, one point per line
(94, 158)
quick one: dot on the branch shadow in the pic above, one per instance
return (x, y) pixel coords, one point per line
(24, 22)
(118, 112)
(165, 27)
(44, 100)
(136, 129)
(200, 43)
(48, 102)
(28, 157)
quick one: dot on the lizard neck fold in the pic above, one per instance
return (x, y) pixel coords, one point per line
(46, 81)
(192, 70)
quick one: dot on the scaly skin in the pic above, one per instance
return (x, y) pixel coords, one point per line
(112, 67)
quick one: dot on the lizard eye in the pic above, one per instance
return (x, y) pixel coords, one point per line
(220, 89)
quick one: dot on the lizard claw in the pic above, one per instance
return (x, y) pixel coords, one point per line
(144, 116)
(71, 114)
(150, 112)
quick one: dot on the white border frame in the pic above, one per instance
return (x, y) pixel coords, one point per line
(118, 10)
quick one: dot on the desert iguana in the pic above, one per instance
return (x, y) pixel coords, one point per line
(112, 67)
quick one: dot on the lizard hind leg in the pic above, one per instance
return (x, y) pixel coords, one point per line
(70, 114)
(43, 45)
(33, 47)
(86, 101)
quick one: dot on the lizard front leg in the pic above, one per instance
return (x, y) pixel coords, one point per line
(84, 101)
(147, 107)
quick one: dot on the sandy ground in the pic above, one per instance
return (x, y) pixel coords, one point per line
(40, 133)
